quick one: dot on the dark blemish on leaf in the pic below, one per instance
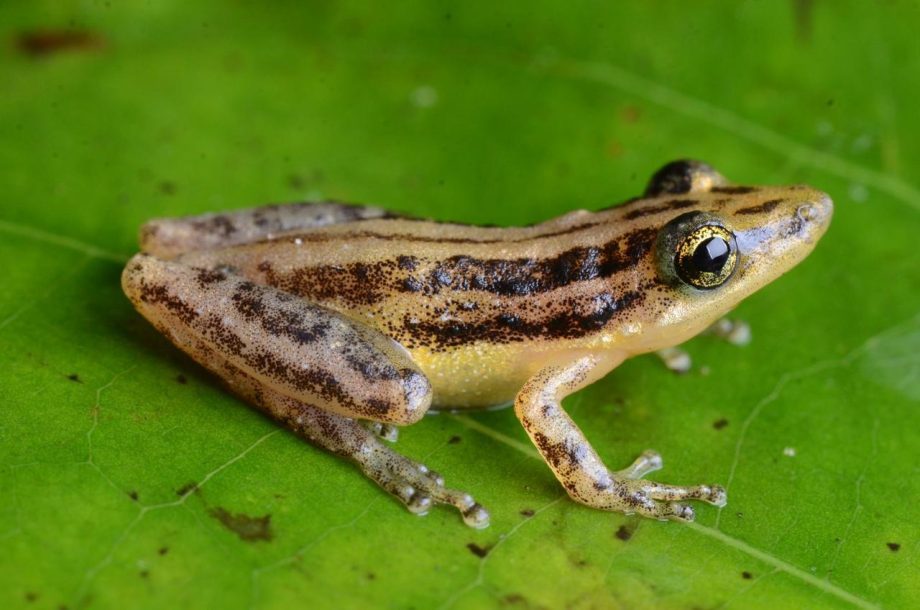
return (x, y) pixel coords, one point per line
(720, 423)
(163, 550)
(528, 512)
(296, 181)
(630, 113)
(624, 533)
(804, 19)
(75, 378)
(42, 43)
(478, 551)
(514, 599)
(143, 573)
(181, 379)
(167, 187)
(894, 546)
(31, 596)
(830, 102)
(188, 488)
(747, 575)
(454, 440)
(133, 495)
(371, 576)
(250, 529)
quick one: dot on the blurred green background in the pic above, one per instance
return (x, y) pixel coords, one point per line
(114, 112)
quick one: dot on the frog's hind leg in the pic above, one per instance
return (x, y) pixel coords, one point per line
(307, 366)
(170, 237)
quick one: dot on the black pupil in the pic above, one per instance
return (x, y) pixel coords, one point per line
(710, 256)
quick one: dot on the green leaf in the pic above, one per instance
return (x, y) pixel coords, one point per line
(129, 478)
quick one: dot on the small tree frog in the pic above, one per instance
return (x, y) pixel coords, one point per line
(344, 322)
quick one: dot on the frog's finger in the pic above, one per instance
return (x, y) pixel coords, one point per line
(649, 461)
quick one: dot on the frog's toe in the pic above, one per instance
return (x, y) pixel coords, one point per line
(387, 432)
(675, 359)
(419, 488)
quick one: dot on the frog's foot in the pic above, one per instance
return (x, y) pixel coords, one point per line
(387, 432)
(630, 493)
(676, 359)
(418, 487)
(735, 332)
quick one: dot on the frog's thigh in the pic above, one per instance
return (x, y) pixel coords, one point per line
(169, 237)
(289, 345)
(578, 467)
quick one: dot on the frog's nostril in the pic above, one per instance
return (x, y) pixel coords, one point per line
(808, 212)
(816, 211)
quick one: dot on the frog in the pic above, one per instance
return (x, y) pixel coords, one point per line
(349, 322)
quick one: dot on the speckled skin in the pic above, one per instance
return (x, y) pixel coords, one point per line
(327, 314)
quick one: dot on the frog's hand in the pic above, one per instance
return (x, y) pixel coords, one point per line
(296, 348)
(170, 237)
(578, 467)
(736, 332)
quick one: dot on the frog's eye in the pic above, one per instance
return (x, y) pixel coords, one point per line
(684, 176)
(706, 257)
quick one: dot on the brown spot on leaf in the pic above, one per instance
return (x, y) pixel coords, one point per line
(31, 596)
(181, 379)
(42, 43)
(454, 440)
(163, 550)
(478, 551)
(133, 495)
(894, 546)
(747, 575)
(75, 378)
(167, 187)
(250, 529)
(720, 423)
(528, 512)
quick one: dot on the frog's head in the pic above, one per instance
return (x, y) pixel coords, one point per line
(717, 244)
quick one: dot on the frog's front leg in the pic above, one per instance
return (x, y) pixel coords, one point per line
(578, 467)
